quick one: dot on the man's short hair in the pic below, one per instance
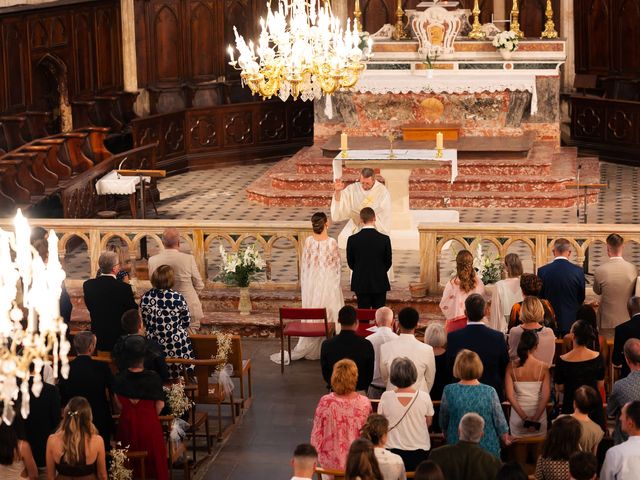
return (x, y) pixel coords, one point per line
(475, 306)
(305, 450)
(130, 321)
(367, 172)
(471, 427)
(107, 261)
(171, 237)
(408, 318)
(586, 398)
(384, 315)
(561, 245)
(367, 215)
(615, 241)
(632, 350)
(583, 465)
(634, 305)
(347, 316)
(633, 412)
(403, 372)
(82, 342)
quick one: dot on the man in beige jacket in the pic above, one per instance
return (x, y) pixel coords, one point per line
(615, 282)
(188, 281)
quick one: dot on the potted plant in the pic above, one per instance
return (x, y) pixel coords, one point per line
(239, 269)
(506, 42)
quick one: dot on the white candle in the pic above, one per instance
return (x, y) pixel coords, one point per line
(439, 141)
(230, 50)
(343, 141)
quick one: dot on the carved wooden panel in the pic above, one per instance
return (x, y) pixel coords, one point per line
(203, 40)
(166, 42)
(301, 120)
(108, 57)
(14, 37)
(272, 125)
(626, 33)
(203, 132)
(84, 52)
(588, 122)
(238, 128)
(620, 122)
(532, 15)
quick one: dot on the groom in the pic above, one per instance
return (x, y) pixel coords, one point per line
(369, 256)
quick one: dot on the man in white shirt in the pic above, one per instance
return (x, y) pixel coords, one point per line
(407, 345)
(304, 462)
(623, 461)
(383, 334)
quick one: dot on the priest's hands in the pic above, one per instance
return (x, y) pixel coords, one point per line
(338, 186)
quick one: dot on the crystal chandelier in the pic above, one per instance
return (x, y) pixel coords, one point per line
(28, 287)
(303, 52)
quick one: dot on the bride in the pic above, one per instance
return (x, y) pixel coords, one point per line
(320, 283)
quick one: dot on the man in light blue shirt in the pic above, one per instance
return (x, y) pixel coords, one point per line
(623, 461)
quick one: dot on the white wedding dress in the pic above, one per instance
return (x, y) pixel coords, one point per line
(320, 284)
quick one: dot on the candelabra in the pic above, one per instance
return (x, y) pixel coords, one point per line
(398, 32)
(31, 287)
(514, 24)
(357, 14)
(549, 26)
(303, 52)
(476, 32)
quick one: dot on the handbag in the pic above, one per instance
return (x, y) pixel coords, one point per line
(406, 411)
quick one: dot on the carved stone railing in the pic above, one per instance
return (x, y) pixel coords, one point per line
(538, 238)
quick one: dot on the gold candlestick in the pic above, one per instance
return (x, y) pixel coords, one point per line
(514, 24)
(549, 26)
(476, 32)
(391, 137)
(399, 32)
(357, 14)
(438, 153)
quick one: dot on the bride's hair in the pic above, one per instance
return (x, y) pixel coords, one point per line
(318, 221)
(465, 271)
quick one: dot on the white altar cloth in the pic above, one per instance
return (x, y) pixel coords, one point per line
(114, 184)
(455, 81)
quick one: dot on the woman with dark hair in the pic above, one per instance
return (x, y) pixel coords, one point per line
(428, 470)
(580, 366)
(458, 289)
(562, 441)
(320, 271)
(506, 292)
(376, 430)
(587, 313)
(76, 451)
(531, 286)
(528, 387)
(16, 459)
(361, 462)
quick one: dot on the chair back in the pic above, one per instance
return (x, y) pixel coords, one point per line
(287, 313)
(206, 346)
(203, 368)
(366, 314)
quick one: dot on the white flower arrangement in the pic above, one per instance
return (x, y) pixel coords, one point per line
(118, 470)
(506, 40)
(489, 268)
(239, 268)
(177, 399)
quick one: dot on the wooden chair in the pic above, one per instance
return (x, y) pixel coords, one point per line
(138, 457)
(301, 329)
(366, 318)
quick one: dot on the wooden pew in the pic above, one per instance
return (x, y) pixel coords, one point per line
(25, 174)
(12, 126)
(40, 168)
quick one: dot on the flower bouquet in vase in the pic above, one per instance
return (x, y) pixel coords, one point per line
(506, 42)
(489, 268)
(239, 269)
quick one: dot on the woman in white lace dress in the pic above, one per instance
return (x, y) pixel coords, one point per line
(506, 293)
(320, 283)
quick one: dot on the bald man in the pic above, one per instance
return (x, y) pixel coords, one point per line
(188, 281)
(383, 334)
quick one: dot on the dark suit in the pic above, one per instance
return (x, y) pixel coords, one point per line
(90, 379)
(107, 299)
(490, 346)
(369, 257)
(465, 461)
(154, 356)
(563, 285)
(624, 331)
(348, 344)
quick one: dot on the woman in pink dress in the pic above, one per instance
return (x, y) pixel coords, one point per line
(339, 417)
(458, 289)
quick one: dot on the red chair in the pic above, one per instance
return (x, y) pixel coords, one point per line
(366, 317)
(301, 329)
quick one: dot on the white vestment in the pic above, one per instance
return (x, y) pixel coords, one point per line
(354, 198)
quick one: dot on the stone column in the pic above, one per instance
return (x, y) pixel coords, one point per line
(499, 12)
(566, 28)
(129, 59)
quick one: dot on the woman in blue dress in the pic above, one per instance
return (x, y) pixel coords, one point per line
(469, 395)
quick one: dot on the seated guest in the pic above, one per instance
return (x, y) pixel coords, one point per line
(428, 470)
(528, 388)
(361, 462)
(91, 379)
(512, 471)
(583, 466)
(625, 331)
(16, 458)
(348, 344)
(626, 389)
(587, 314)
(464, 458)
(304, 461)
(436, 336)
(154, 359)
(488, 343)
(469, 395)
(376, 430)
(531, 314)
(76, 450)
(563, 440)
(339, 416)
(165, 315)
(407, 345)
(140, 398)
(580, 366)
(465, 283)
(584, 400)
(410, 412)
(506, 293)
(107, 299)
(383, 334)
(531, 286)
(623, 461)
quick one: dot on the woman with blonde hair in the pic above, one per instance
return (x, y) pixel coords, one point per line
(506, 293)
(532, 316)
(458, 289)
(76, 451)
(339, 417)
